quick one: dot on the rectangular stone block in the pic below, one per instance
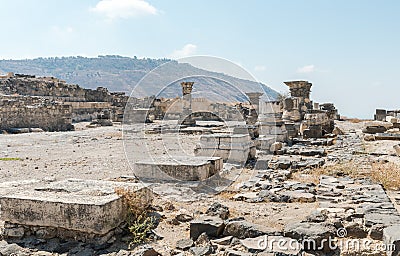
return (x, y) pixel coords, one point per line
(88, 206)
(178, 167)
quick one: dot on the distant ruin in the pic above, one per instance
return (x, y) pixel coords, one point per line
(51, 104)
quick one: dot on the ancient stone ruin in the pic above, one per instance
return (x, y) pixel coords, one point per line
(29, 102)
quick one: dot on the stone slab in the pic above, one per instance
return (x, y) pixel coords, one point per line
(89, 206)
(188, 168)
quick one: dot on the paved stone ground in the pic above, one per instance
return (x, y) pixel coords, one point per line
(262, 201)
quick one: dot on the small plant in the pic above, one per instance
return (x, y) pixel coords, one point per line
(138, 204)
(10, 158)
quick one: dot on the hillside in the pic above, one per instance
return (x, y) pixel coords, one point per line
(119, 73)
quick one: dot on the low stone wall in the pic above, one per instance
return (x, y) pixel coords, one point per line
(34, 112)
(87, 111)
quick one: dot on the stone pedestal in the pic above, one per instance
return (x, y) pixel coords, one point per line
(232, 148)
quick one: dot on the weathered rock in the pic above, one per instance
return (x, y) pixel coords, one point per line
(375, 129)
(268, 196)
(200, 251)
(202, 240)
(381, 218)
(355, 230)
(217, 209)
(276, 146)
(182, 217)
(184, 244)
(279, 164)
(211, 225)
(249, 196)
(86, 206)
(397, 149)
(376, 231)
(369, 137)
(318, 233)
(244, 229)
(223, 241)
(317, 217)
(299, 197)
(391, 236)
(337, 131)
(231, 252)
(14, 232)
(145, 250)
(11, 249)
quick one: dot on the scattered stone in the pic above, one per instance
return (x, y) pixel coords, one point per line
(223, 241)
(231, 252)
(376, 232)
(391, 236)
(200, 251)
(243, 229)
(145, 250)
(381, 218)
(184, 244)
(275, 147)
(316, 232)
(217, 209)
(183, 217)
(317, 217)
(211, 225)
(337, 131)
(397, 149)
(299, 197)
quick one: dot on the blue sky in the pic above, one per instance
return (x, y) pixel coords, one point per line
(349, 49)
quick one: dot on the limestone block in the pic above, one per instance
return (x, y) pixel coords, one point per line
(211, 225)
(178, 167)
(391, 237)
(88, 206)
(397, 149)
(276, 146)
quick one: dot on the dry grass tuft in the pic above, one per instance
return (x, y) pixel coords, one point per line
(388, 174)
(340, 169)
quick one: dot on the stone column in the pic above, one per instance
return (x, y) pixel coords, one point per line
(187, 88)
(254, 98)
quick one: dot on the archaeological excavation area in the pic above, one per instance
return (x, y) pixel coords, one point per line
(94, 172)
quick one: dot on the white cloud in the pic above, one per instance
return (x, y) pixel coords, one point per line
(187, 50)
(114, 9)
(260, 68)
(306, 69)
